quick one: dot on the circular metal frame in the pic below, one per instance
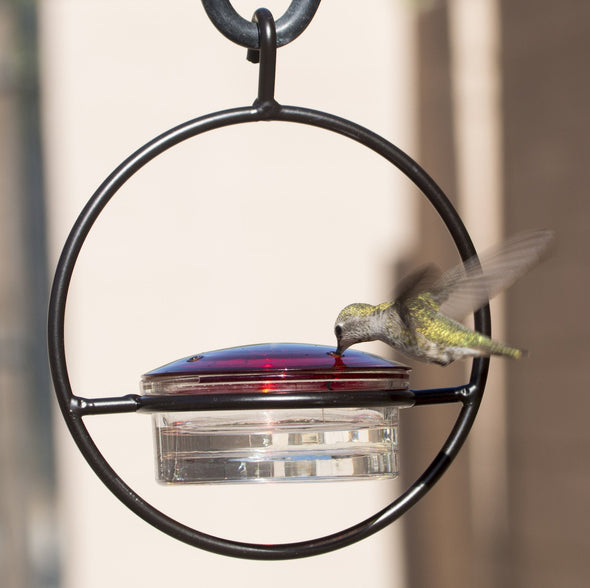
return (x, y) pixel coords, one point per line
(74, 408)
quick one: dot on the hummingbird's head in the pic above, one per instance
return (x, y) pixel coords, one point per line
(352, 326)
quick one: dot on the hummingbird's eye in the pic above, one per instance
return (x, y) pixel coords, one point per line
(338, 331)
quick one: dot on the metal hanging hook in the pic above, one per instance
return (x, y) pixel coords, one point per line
(245, 33)
(267, 56)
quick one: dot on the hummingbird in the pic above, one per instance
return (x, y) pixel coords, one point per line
(423, 320)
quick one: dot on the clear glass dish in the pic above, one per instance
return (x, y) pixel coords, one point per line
(307, 444)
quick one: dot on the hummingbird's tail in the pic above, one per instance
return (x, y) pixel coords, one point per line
(505, 351)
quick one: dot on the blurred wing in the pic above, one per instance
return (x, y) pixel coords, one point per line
(465, 288)
(421, 280)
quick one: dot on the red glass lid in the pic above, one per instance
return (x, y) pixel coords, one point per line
(276, 367)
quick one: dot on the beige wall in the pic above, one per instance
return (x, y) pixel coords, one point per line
(193, 255)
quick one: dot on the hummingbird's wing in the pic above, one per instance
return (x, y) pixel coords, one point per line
(419, 281)
(465, 288)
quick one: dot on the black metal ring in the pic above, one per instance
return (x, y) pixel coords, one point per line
(244, 32)
(68, 402)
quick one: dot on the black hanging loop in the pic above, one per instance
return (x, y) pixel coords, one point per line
(243, 32)
(267, 56)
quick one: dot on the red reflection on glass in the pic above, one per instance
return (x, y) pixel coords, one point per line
(275, 367)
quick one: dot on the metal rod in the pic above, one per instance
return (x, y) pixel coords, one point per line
(263, 401)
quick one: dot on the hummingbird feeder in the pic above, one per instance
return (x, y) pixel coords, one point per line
(279, 444)
(275, 412)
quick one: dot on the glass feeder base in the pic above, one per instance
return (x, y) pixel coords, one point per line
(277, 445)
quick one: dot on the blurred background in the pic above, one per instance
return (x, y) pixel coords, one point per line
(489, 96)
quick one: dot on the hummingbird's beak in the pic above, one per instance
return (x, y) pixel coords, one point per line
(341, 348)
